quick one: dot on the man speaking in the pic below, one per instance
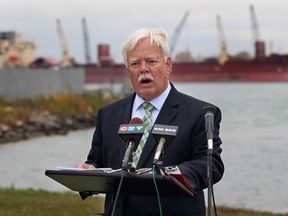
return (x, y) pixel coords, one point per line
(156, 101)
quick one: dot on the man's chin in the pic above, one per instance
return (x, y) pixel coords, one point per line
(147, 93)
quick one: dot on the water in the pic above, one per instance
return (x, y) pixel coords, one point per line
(255, 147)
(24, 163)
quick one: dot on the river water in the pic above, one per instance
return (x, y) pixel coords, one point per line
(255, 147)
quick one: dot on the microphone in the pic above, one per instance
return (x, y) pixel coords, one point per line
(163, 134)
(209, 112)
(131, 134)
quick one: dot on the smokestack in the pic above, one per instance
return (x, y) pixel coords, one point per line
(259, 50)
(104, 58)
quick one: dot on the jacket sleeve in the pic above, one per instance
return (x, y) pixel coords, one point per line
(95, 156)
(195, 171)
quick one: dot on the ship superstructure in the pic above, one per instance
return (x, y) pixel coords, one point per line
(15, 52)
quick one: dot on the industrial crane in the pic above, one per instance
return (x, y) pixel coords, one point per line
(86, 42)
(259, 45)
(254, 23)
(66, 62)
(177, 33)
(223, 57)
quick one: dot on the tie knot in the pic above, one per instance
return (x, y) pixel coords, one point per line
(147, 106)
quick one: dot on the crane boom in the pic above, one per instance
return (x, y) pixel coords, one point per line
(259, 45)
(254, 23)
(223, 57)
(86, 42)
(177, 33)
(66, 58)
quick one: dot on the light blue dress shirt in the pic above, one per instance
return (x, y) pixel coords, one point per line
(139, 111)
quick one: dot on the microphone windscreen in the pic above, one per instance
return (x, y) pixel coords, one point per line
(136, 120)
(209, 109)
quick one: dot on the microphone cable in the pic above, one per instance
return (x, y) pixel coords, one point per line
(157, 191)
(117, 194)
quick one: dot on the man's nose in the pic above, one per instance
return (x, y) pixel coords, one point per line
(144, 66)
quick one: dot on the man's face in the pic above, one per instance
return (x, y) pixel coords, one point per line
(148, 72)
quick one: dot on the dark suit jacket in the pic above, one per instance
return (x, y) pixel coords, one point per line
(188, 151)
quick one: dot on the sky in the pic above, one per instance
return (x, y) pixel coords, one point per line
(111, 22)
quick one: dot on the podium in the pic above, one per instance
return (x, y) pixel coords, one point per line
(133, 184)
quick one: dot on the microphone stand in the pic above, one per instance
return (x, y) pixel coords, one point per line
(209, 175)
(209, 127)
(127, 161)
(159, 155)
(159, 168)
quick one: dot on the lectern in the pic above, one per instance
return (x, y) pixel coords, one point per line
(133, 184)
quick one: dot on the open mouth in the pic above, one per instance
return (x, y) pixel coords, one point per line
(146, 81)
(145, 78)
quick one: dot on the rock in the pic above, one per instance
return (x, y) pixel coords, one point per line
(44, 123)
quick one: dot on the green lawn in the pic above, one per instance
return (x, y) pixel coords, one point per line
(38, 202)
(28, 202)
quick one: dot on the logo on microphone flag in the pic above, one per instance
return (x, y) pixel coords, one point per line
(131, 128)
(139, 127)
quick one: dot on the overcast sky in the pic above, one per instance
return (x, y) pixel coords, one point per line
(111, 21)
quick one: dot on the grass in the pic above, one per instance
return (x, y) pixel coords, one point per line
(28, 202)
(62, 104)
(226, 211)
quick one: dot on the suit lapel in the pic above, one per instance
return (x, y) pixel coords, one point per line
(168, 112)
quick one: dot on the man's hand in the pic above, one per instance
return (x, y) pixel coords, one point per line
(85, 166)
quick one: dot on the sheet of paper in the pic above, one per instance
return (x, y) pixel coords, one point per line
(81, 169)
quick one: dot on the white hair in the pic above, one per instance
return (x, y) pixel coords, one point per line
(158, 36)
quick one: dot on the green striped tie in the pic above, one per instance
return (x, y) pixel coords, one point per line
(147, 120)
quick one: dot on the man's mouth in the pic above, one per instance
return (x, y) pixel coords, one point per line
(145, 81)
(145, 78)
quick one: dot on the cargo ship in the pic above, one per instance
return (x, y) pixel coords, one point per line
(260, 69)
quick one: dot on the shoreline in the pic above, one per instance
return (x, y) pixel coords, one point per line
(44, 124)
(26, 118)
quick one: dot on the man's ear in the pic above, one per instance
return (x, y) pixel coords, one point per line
(169, 65)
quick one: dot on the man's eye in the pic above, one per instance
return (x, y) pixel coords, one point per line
(152, 61)
(134, 64)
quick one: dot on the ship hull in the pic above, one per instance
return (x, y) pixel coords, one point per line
(200, 72)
